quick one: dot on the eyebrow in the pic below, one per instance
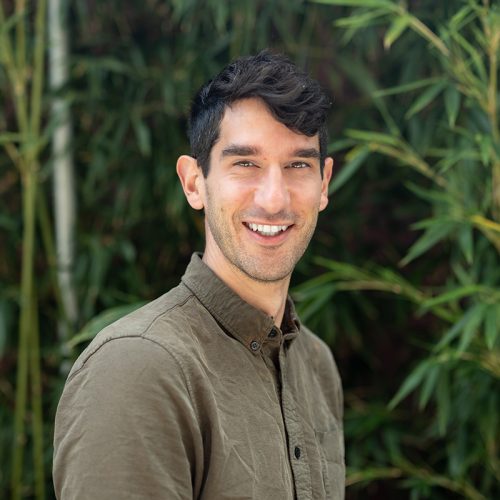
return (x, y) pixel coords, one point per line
(307, 153)
(241, 150)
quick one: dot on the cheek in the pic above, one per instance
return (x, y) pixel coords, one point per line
(222, 201)
(308, 199)
(234, 195)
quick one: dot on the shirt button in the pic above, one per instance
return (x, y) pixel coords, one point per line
(254, 345)
(273, 333)
(296, 452)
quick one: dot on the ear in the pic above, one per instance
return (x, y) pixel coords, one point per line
(191, 177)
(327, 175)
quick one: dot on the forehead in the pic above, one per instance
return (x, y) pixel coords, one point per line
(250, 122)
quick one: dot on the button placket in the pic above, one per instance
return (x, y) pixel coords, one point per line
(298, 455)
(273, 333)
(254, 345)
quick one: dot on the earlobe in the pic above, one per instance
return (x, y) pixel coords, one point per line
(191, 178)
(327, 175)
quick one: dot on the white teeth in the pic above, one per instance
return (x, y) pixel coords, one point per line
(266, 229)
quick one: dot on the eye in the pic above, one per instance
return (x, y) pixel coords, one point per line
(299, 164)
(245, 163)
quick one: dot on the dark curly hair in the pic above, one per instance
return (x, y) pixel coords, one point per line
(294, 99)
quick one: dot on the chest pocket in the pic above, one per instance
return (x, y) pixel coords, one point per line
(331, 445)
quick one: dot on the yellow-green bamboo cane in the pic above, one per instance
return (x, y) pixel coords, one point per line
(29, 127)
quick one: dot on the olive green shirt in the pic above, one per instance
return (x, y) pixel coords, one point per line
(197, 395)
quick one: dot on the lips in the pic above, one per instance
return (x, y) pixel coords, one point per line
(266, 229)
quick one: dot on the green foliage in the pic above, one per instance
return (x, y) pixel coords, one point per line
(403, 277)
(453, 92)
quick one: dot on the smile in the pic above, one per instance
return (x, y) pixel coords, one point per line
(266, 229)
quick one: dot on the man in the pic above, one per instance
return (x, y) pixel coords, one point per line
(215, 390)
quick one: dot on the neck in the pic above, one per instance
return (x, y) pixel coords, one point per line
(268, 296)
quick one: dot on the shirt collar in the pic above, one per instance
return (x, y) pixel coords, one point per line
(241, 320)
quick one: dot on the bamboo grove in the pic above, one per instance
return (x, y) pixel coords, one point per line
(402, 279)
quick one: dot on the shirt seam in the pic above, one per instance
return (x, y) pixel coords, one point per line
(140, 334)
(153, 341)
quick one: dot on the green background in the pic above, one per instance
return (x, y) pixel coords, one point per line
(402, 279)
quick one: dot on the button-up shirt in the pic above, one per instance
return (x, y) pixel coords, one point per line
(198, 395)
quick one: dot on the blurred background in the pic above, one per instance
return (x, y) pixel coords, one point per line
(402, 279)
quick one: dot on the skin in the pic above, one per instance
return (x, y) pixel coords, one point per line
(261, 172)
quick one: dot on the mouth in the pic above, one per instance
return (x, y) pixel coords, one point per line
(267, 229)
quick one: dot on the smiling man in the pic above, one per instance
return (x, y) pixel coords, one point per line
(216, 390)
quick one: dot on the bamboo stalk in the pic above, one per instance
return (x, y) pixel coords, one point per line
(36, 401)
(35, 365)
(63, 186)
(46, 233)
(25, 326)
(28, 352)
(19, 437)
(423, 30)
(20, 10)
(494, 38)
(38, 72)
(17, 80)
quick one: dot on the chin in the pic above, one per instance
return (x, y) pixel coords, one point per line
(265, 273)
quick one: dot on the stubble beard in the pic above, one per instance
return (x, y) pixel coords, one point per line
(262, 268)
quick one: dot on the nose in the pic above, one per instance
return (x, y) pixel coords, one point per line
(272, 193)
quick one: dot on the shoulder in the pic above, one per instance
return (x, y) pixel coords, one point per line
(152, 334)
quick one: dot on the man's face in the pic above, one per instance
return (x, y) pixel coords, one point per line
(262, 194)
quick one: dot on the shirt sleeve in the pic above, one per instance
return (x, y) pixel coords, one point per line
(126, 427)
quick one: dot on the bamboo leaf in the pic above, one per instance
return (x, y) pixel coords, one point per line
(376, 137)
(426, 98)
(492, 325)
(452, 104)
(474, 55)
(360, 3)
(431, 237)
(454, 157)
(305, 290)
(462, 17)
(355, 159)
(143, 136)
(443, 402)
(454, 295)
(322, 296)
(411, 383)
(340, 145)
(485, 149)
(454, 331)
(471, 326)
(407, 87)
(95, 325)
(428, 385)
(466, 242)
(342, 269)
(396, 29)
(430, 195)
(360, 20)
